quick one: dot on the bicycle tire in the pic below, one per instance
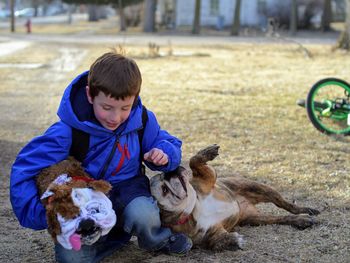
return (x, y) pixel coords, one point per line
(311, 111)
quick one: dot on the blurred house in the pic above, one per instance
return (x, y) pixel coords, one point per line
(254, 13)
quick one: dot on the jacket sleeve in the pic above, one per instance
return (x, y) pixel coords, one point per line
(43, 151)
(155, 137)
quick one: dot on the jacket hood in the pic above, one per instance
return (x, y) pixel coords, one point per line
(76, 111)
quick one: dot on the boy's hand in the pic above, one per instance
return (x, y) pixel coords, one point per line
(156, 156)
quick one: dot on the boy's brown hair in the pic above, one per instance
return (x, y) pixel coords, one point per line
(115, 75)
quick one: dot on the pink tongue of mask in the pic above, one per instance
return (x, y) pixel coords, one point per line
(75, 241)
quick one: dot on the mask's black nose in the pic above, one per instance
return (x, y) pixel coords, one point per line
(86, 227)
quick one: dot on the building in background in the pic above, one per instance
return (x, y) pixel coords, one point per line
(254, 13)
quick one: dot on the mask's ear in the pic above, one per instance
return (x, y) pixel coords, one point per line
(100, 185)
(46, 195)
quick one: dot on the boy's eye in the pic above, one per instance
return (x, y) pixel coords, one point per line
(106, 108)
(125, 109)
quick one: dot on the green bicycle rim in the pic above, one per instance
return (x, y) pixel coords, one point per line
(327, 83)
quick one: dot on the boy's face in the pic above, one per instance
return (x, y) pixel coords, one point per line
(111, 113)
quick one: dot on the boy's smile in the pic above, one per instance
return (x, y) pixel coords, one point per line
(111, 113)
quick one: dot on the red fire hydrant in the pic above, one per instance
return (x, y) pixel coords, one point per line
(28, 26)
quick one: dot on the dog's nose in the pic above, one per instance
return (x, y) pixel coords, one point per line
(86, 226)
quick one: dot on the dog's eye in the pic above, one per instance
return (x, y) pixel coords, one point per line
(165, 189)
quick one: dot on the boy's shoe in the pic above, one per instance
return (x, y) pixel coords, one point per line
(177, 245)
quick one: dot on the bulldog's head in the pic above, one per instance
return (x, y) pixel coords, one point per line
(77, 208)
(173, 191)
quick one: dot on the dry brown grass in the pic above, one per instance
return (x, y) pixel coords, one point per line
(241, 97)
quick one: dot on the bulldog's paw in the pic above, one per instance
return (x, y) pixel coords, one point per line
(209, 153)
(305, 210)
(312, 211)
(303, 222)
(229, 241)
(239, 240)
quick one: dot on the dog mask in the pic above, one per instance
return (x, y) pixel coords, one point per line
(78, 211)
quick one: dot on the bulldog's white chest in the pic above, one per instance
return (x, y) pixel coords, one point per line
(210, 211)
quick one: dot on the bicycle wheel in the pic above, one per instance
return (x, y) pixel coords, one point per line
(328, 106)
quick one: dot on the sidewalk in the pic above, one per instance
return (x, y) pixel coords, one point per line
(175, 39)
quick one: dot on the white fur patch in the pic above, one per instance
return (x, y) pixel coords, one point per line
(210, 211)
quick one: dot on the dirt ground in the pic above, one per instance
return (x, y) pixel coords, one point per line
(240, 96)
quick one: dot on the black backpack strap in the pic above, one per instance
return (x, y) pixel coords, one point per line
(80, 144)
(140, 135)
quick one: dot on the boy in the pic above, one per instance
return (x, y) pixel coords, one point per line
(104, 103)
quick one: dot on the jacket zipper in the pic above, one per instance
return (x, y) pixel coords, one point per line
(110, 157)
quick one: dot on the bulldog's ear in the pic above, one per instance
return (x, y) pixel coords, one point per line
(185, 173)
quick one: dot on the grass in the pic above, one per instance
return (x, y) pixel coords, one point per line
(241, 97)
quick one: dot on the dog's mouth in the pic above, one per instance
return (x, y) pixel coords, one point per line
(92, 237)
(168, 188)
(87, 234)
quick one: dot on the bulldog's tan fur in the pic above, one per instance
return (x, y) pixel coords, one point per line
(207, 209)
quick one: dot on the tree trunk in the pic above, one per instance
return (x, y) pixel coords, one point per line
(122, 22)
(293, 21)
(35, 5)
(197, 18)
(12, 20)
(344, 39)
(326, 16)
(70, 14)
(93, 13)
(236, 23)
(149, 15)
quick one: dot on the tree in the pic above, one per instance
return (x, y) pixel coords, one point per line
(236, 23)
(293, 20)
(326, 15)
(344, 39)
(197, 18)
(93, 13)
(122, 22)
(149, 15)
(12, 7)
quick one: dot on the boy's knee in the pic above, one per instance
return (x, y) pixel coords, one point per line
(142, 211)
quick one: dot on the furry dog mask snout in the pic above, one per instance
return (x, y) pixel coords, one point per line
(87, 227)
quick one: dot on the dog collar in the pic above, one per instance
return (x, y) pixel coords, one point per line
(184, 218)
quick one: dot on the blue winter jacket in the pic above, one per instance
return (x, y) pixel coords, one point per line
(54, 145)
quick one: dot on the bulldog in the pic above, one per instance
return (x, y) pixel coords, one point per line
(78, 211)
(207, 209)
